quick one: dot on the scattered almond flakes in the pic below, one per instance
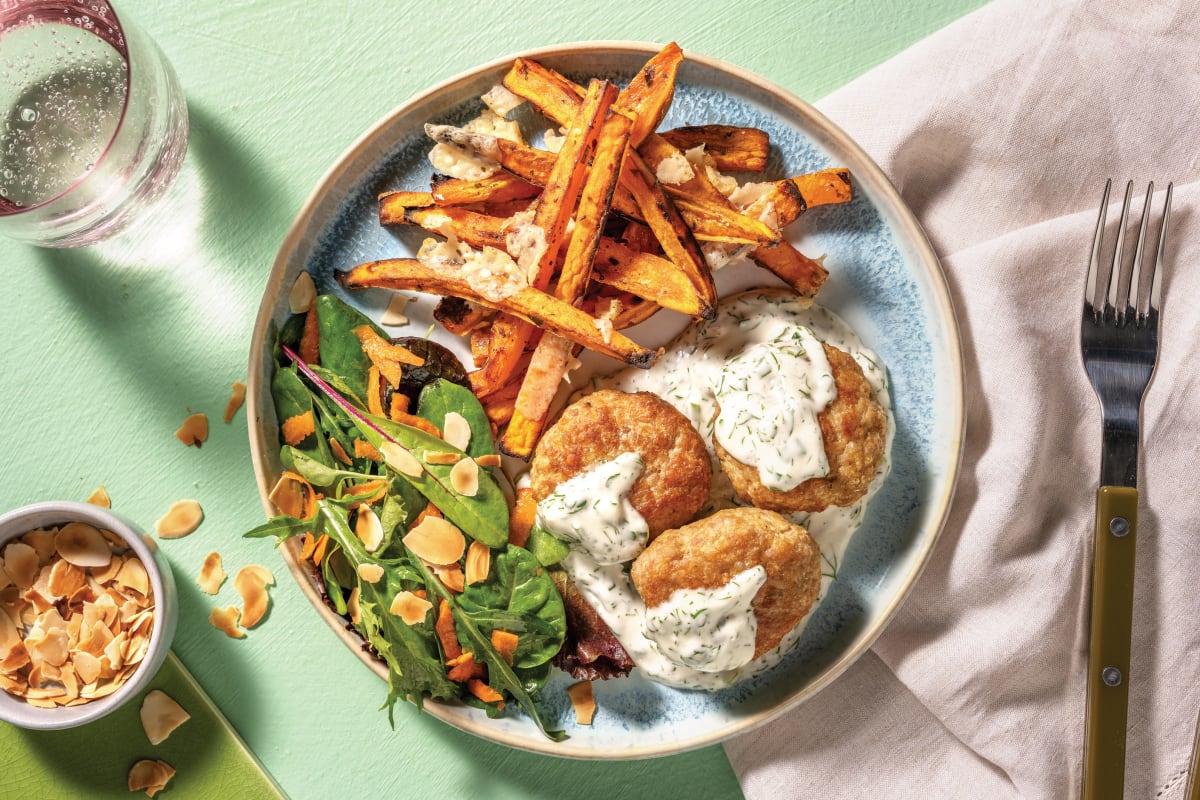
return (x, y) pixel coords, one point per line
(226, 621)
(442, 458)
(183, 517)
(464, 478)
(21, 564)
(398, 458)
(237, 396)
(153, 776)
(451, 576)
(437, 541)
(583, 700)
(352, 606)
(489, 460)
(251, 583)
(194, 430)
(371, 573)
(100, 497)
(294, 496)
(456, 430)
(368, 528)
(161, 715)
(410, 608)
(479, 562)
(339, 452)
(302, 294)
(212, 574)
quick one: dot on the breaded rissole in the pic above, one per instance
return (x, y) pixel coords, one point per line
(676, 472)
(853, 428)
(710, 552)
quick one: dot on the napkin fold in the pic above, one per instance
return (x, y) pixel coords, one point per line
(999, 132)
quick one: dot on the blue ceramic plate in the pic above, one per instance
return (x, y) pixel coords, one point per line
(885, 282)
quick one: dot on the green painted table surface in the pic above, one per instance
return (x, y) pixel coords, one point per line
(107, 349)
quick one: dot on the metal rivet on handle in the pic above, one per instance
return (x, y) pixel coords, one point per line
(1111, 676)
(1118, 526)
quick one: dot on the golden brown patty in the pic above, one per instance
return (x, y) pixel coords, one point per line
(853, 428)
(710, 552)
(676, 472)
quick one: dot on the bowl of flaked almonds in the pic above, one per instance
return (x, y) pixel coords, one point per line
(87, 612)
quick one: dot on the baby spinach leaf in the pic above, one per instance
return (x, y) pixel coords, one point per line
(341, 350)
(441, 397)
(519, 597)
(281, 527)
(547, 548)
(293, 398)
(314, 471)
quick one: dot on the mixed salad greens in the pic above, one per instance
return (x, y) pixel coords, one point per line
(357, 483)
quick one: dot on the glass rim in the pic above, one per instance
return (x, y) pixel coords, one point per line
(22, 13)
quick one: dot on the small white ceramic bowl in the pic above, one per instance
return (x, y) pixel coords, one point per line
(166, 610)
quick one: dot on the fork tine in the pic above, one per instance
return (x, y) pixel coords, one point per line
(1130, 270)
(1150, 281)
(1106, 293)
(1090, 294)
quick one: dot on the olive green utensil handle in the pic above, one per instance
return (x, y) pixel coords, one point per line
(1108, 655)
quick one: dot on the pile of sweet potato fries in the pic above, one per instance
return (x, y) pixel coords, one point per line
(613, 239)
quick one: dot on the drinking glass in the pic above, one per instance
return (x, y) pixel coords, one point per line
(93, 124)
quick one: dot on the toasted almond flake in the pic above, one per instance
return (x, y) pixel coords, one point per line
(583, 701)
(371, 573)
(368, 528)
(479, 562)
(133, 576)
(456, 430)
(339, 452)
(294, 496)
(451, 576)
(393, 315)
(15, 657)
(295, 430)
(105, 574)
(442, 458)
(99, 497)
(489, 460)
(464, 478)
(5, 579)
(87, 666)
(194, 430)
(251, 583)
(237, 396)
(352, 606)
(182, 518)
(21, 564)
(42, 542)
(114, 651)
(410, 608)
(212, 574)
(153, 776)
(161, 715)
(437, 541)
(226, 621)
(400, 459)
(9, 635)
(302, 293)
(66, 578)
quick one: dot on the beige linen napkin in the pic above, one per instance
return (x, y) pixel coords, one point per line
(999, 132)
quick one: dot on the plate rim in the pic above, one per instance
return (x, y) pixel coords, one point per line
(901, 217)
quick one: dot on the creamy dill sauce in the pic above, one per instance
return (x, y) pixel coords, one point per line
(688, 375)
(592, 512)
(710, 630)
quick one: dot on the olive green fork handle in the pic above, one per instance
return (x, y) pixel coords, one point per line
(1108, 655)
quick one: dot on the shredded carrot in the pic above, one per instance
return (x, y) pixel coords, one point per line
(319, 550)
(485, 693)
(364, 449)
(505, 644)
(371, 492)
(308, 543)
(400, 403)
(523, 515)
(430, 510)
(464, 668)
(298, 428)
(386, 356)
(444, 627)
(374, 384)
(339, 452)
(404, 418)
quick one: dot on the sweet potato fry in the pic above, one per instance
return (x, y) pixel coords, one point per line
(499, 405)
(797, 270)
(509, 338)
(477, 230)
(528, 303)
(540, 385)
(671, 231)
(721, 223)
(825, 187)
(459, 316)
(648, 95)
(731, 147)
(551, 93)
(499, 187)
(645, 275)
(392, 205)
